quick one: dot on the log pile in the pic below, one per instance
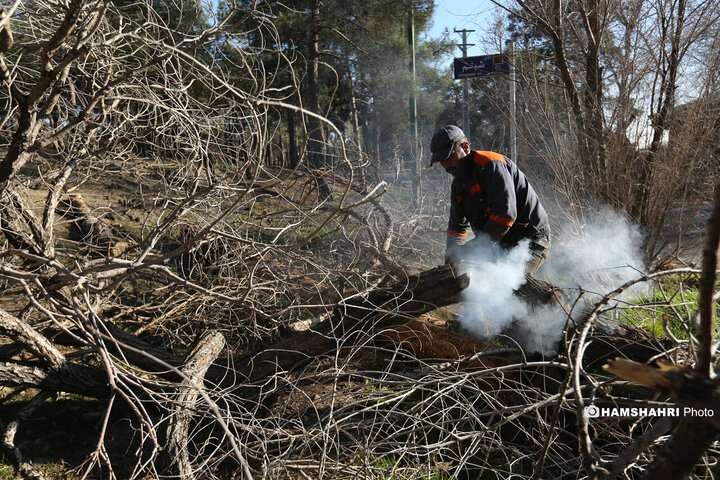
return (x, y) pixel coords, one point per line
(385, 317)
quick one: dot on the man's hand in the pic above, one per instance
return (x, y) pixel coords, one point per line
(459, 267)
(456, 260)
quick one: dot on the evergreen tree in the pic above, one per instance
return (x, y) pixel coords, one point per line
(355, 62)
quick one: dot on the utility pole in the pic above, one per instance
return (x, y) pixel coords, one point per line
(466, 113)
(513, 118)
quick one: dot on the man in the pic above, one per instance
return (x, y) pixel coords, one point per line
(490, 195)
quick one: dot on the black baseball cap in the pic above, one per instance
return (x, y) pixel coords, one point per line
(442, 142)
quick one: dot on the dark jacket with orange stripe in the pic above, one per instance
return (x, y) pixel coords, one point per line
(491, 195)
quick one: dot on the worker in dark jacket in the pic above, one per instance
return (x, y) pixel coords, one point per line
(490, 195)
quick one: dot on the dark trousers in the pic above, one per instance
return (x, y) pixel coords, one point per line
(539, 246)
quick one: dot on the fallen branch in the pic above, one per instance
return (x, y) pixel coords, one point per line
(176, 455)
(24, 465)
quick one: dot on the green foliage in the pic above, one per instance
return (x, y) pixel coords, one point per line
(7, 472)
(180, 15)
(390, 468)
(669, 307)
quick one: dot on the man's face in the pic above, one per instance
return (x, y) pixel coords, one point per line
(454, 161)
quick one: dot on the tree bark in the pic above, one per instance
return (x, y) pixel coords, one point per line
(70, 378)
(292, 140)
(708, 280)
(593, 90)
(676, 460)
(314, 125)
(175, 455)
(22, 227)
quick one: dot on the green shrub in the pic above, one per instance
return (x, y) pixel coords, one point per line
(670, 307)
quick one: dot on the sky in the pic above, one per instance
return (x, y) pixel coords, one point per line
(459, 14)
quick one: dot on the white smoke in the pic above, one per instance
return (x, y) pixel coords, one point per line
(594, 256)
(489, 303)
(598, 254)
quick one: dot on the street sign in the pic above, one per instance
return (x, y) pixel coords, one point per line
(467, 67)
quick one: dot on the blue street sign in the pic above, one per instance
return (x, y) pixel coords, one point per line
(482, 65)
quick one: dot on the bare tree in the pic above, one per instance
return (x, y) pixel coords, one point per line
(599, 109)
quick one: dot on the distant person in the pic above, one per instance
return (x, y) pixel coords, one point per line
(490, 195)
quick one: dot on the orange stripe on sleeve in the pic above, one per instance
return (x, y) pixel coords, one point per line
(455, 233)
(502, 221)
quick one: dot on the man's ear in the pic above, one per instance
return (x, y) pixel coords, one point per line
(465, 146)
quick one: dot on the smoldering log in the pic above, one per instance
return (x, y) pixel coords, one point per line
(392, 311)
(381, 309)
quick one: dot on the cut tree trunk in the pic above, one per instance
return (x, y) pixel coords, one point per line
(380, 309)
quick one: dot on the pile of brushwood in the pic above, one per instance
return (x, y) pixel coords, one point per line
(372, 389)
